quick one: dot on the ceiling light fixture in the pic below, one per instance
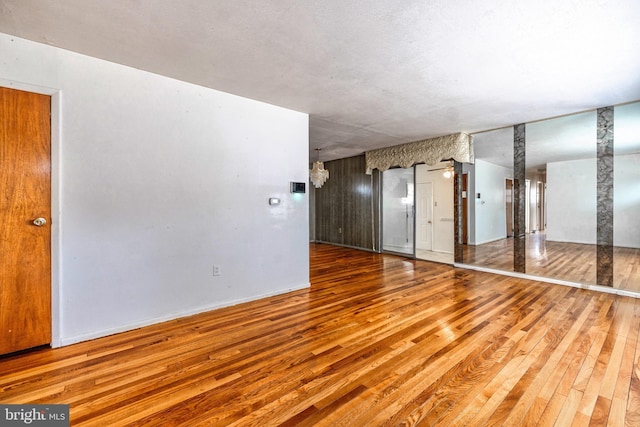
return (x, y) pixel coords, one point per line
(448, 172)
(318, 173)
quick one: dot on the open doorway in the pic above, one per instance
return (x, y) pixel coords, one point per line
(508, 192)
(540, 206)
(465, 207)
(536, 212)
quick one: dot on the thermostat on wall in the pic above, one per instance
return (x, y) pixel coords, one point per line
(297, 187)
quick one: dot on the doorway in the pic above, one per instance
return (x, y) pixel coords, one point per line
(508, 192)
(25, 213)
(465, 207)
(540, 202)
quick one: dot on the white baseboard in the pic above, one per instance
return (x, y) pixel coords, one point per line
(131, 326)
(487, 241)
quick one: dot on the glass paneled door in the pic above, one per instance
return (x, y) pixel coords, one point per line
(397, 211)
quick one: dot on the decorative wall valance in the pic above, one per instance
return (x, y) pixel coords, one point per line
(458, 147)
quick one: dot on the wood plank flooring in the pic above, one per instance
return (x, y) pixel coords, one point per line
(377, 340)
(573, 262)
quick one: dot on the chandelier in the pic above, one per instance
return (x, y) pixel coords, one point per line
(318, 173)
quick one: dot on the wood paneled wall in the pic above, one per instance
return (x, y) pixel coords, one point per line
(346, 207)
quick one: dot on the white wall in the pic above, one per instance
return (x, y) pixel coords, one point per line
(571, 201)
(155, 180)
(490, 208)
(626, 200)
(443, 236)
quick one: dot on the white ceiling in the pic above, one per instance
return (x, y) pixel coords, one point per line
(370, 73)
(571, 137)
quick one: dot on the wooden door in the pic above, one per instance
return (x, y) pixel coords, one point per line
(424, 216)
(25, 195)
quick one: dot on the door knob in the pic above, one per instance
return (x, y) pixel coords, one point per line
(39, 222)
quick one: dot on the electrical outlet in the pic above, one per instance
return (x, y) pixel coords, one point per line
(216, 270)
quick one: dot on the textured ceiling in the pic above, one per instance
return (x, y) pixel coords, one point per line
(370, 73)
(571, 137)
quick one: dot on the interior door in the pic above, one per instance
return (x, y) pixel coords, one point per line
(25, 216)
(424, 216)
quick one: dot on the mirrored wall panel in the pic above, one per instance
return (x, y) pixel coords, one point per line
(576, 218)
(434, 212)
(626, 198)
(561, 203)
(487, 202)
(397, 210)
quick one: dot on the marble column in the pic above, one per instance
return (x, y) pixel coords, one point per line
(519, 198)
(604, 239)
(457, 212)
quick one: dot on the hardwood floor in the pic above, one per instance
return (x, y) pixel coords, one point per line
(376, 340)
(573, 262)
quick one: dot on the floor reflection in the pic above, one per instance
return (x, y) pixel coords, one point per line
(434, 256)
(497, 255)
(573, 262)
